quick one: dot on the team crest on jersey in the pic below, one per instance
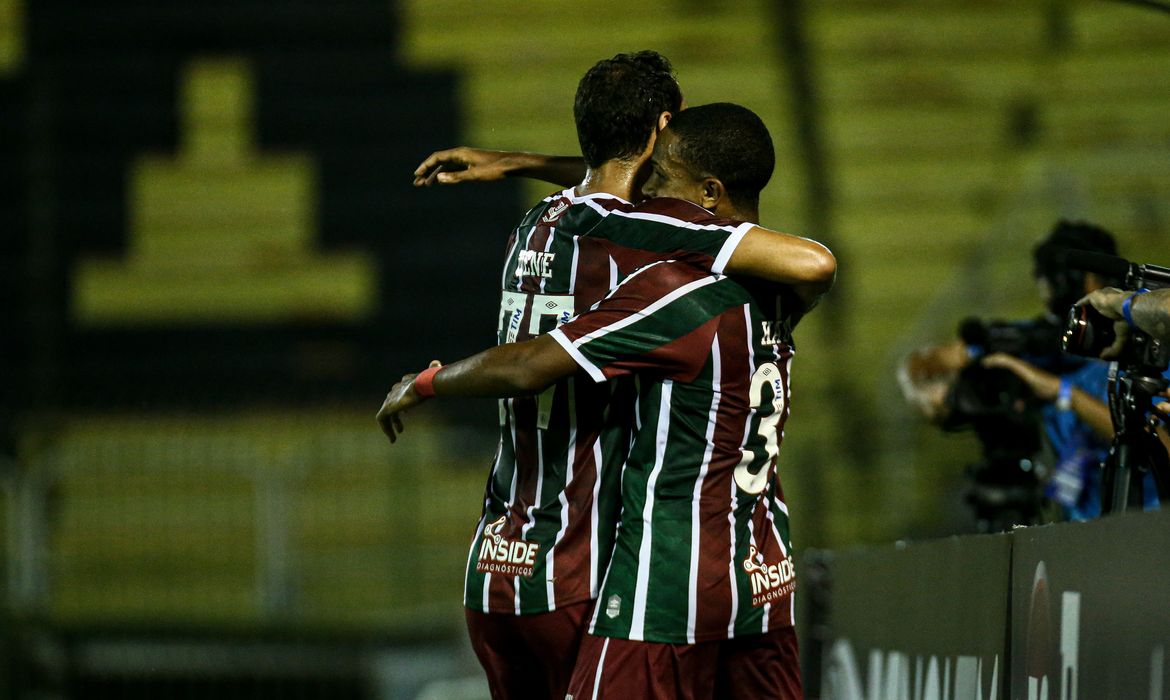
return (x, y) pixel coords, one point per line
(554, 212)
(770, 582)
(502, 555)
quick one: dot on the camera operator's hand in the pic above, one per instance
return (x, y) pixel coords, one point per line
(1109, 300)
(1044, 385)
(1163, 407)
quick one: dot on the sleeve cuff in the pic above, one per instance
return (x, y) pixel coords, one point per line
(583, 362)
(729, 247)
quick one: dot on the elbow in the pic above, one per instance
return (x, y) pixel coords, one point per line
(823, 269)
(530, 373)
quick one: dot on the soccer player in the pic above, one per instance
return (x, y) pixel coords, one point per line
(551, 502)
(702, 552)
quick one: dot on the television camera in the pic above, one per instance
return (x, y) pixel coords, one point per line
(1137, 376)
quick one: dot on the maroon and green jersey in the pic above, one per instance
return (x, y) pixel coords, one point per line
(702, 549)
(552, 499)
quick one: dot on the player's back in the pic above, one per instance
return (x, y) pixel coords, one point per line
(552, 499)
(703, 548)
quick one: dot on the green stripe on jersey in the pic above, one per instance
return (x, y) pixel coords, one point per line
(635, 231)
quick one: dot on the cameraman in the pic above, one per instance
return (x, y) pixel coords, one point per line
(1136, 309)
(1076, 413)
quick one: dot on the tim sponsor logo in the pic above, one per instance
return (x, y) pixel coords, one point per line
(503, 555)
(770, 582)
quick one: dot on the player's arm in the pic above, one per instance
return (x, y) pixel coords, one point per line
(465, 164)
(514, 369)
(807, 266)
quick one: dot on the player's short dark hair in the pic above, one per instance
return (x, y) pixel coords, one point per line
(1049, 259)
(618, 102)
(728, 142)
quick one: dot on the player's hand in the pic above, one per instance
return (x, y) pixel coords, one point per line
(401, 397)
(1044, 385)
(462, 164)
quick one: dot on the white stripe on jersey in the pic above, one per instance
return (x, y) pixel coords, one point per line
(583, 362)
(595, 519)
(729, 247)
(552, 235)
(572, 196)
(767, 607)
(539, 485)
(511, 252)
(788, 407)
(768, 501)
(731, 566)
(747, 320)
(487, 587)
(637, 624)
(507, 509)
(693, 586)
(588, 201)
(747, 428)
(649, 310)
(570, 458)
(475, 543)
(573, 266)
(681, 223)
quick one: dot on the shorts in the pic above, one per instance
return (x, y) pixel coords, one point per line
(528, 657)
(760, 667)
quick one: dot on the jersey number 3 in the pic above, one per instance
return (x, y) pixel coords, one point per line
(767, 385)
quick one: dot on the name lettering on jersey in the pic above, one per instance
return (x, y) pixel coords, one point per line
(770, 582)
(554, 212)
(503, 555)
(536, 263)
(770, 334)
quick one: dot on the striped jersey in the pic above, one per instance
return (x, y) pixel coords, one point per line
(552, 499)
(702, 550)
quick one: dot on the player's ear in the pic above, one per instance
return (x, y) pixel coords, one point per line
(663, 120)
(712, 193)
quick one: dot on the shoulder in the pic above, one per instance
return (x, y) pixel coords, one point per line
(566, 208)
(679, 210)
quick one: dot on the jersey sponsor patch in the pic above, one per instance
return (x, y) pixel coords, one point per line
(503, 555)
(770, 582)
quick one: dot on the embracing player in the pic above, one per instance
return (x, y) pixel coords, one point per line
(696, 601)
(552, 500)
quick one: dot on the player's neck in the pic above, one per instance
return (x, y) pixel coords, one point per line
(745, 213)
(616, 177)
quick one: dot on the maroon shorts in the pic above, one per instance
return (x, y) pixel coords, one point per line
(616, 669)
(761, 667)
(528, 657)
